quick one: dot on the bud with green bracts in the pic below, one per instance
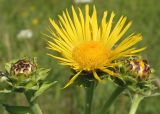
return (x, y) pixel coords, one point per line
(24, 74)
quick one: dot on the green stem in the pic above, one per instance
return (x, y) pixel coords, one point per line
(35, 108)
(135, 102)
(89, 97)
(33, 105)
(111, 99)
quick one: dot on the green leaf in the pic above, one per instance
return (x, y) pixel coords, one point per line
(42, 73)
(4, 83)
(119, 81)
(18, 109)
(42, 89)
(8, 67)
(9, 64)
(153, 95)
(5, 91)
(34, 60)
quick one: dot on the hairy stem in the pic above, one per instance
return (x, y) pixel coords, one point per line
(33, 105)
(135, 103)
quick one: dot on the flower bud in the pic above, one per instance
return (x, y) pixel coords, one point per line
(22, 67)
(138, 68)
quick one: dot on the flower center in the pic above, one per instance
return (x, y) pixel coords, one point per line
(90, 55)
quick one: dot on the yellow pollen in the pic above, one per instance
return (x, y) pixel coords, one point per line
(90, 55)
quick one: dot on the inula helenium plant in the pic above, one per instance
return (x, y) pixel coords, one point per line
(96, 50)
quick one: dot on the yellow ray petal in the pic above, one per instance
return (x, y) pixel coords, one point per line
(82, 22)
(77, 24)
(125, 29)
(67, 30)
(113, 64)
(129, 42)
(60, 58)
(87, 24)
(110, 72)
(127, 39)
(71, 23)
(57, 28)
(117, 32)
(96, 76)
(103, 25)
(109, 26)
(60, 47)
(72, 79)
(61, 34)
(138, 50)
(94, 25)
(117, 55)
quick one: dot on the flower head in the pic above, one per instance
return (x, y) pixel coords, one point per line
(85, 45)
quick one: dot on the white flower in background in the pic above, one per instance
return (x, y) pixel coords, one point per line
(25, 34)
(83, 1)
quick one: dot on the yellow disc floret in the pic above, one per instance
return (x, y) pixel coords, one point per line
(90, 55)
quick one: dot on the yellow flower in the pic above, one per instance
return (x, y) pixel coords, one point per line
(85, 45)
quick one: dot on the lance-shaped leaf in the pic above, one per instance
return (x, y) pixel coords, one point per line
(41, 73)
(42, 89)
(5, 91)
(18, 109)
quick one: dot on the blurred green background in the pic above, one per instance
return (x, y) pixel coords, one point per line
(17, 15)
